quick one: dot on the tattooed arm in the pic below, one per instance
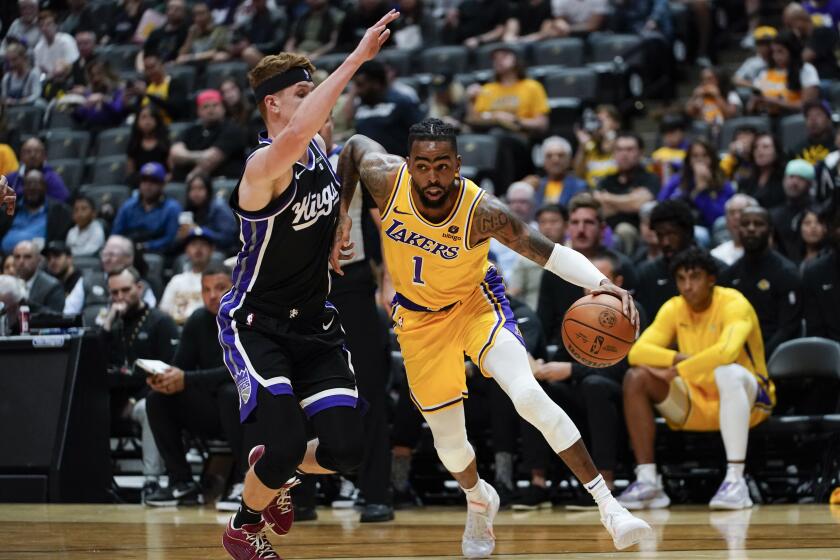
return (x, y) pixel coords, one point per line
(364, 160)
(493, 219)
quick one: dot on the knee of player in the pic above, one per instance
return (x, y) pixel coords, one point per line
(593, 385)
(282, 455)
(729, 377)
(635, 380)
(347, 454)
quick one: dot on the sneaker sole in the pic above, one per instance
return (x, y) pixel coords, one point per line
(161, 503)
(660, 503)
(343, 504)
(730, 507)
(634, 536)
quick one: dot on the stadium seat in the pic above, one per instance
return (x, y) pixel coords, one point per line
(60, 119)
(453, 59)
(567, 51)
(107, 194)
(762, 124)
(329, 62)
(700, 129)
(185, 74)
(67, 144)
(178, 191)
(154, 262)
(222, 187)
(71, 171)
(484, 54)
(87, 263)
(119, 57)
(113, 142)
(397, 59)
(806, 372)
(108, 170)
(576, 83)
(25, 118)
(792, 132)
(218, 72)
(479, 154)
(606, 47)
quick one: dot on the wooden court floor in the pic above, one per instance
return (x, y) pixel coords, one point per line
(76, 532)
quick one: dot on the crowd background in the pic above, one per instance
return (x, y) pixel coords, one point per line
(125, 125)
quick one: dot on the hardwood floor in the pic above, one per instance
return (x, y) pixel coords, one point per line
(82, 532)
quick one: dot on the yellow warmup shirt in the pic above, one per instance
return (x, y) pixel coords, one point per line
(526, 99)
(8, 160)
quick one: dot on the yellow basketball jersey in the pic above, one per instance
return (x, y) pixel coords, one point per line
(432, 265)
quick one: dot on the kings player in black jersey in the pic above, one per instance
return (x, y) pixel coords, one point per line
(282, 340)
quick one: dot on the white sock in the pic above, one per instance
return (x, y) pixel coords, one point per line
(734, 472)
(597, 488)
(646, 473)
(477, 495)
(737, 388)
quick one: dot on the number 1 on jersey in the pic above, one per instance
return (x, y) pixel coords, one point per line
(418, 268)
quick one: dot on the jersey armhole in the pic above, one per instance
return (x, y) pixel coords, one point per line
(393, 196)
(470, 215)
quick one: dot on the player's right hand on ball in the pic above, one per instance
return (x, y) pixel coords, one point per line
(342, 247)
(376, 36)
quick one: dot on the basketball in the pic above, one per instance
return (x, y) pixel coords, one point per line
(596, 332)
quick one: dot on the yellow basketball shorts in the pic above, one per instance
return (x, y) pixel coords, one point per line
(433, 343)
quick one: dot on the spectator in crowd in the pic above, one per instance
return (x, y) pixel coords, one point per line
(79, 15)
(212, 145)
(166, 41)
(209, 213)
(799, 178)
(133, 330)
(124, 22)
(821, 284)
(513, 107)
(86, 43)
(737, 162)
(823, 12)
(86, 237)
(813, 235)
(585, 230)
(713, 101)
(447, 100)
(417, 28)
(622, 193)
(819, 42)
(38, 218)
(196, 394)
(576, 17)
(315, 31)
(732, 249)
(9, 265)
(673, 225)
(524, 281)
(594, 157)
(747, 74)
(150, 218)
(381, 113)
(788, 82)
(60, 266)
(643, 16)
(820, 140)
(182, 295)
(520, 199)
(33, 155)
(105, 103)
(558, 185)
(166, 93)
(44, 294)
(715, 380)
(206, 41)
(258, 30)
(358, 18)
(648, 249)
(238, 107)
(768, 280)
(667, 160)
(530, 21)
(764, 183)
(149, 142)
(56, 52)
(12, 295)
(701, 183)
(21, 84)
(475, 22)
(24, 29)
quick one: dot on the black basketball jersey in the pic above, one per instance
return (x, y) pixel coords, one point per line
(282, 268)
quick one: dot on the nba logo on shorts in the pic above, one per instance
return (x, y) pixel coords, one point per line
(243, 384)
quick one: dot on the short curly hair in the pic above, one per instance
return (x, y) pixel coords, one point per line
(432, 130)
(673, 211)
(694, 258)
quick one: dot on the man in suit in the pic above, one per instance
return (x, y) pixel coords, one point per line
(45, 293)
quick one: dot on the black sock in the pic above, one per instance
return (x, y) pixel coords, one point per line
(246, 516)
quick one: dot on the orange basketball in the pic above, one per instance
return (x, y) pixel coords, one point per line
(596, 332)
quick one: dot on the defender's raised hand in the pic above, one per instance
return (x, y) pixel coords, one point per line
(376, 36)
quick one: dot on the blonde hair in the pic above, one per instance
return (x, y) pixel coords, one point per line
(274, 64)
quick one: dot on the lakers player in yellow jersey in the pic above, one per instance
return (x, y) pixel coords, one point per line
(436, 227)
(715, 379)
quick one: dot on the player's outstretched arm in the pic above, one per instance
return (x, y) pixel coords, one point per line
(275, 162)
(361, 159)
(492, 218)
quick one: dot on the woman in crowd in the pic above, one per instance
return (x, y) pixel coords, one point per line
(211, 213)
(788, 82)
(594, 157)
(104, 105)
(149, 141)
(237, 107)
(701, 183)
(812, 233)
(713, 101)
(767, 172)
(21, 84)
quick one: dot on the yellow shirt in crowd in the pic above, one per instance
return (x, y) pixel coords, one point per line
(526, 99)
(8, 160)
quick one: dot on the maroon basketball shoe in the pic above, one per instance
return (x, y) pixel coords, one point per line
(279, 514)
(248, 542)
